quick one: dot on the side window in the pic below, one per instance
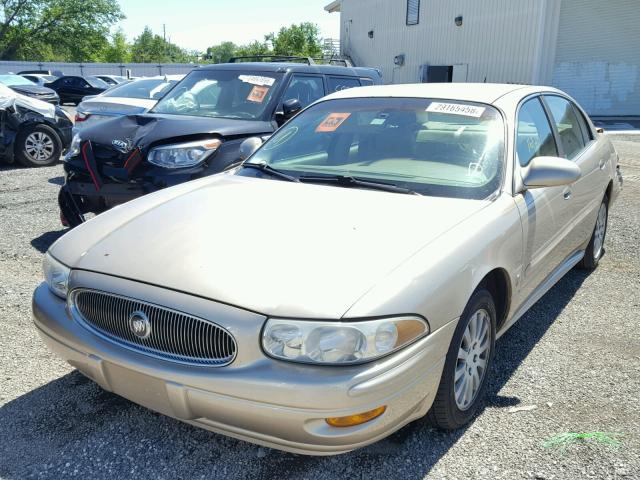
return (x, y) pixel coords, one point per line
(342, 83)
(587, 134)
(566, 121)
(534, 137)
(68, 82)
(306, 88)
(413, 12)
(365, 82)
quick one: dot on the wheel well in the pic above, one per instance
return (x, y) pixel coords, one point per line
(498, 284)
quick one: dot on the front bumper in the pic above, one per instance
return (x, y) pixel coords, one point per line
(277, 404)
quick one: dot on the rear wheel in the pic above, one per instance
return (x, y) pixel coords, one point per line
(38, 146)
(470, 355)
(595, 249)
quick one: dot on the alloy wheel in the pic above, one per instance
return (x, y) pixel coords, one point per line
(39, 147)
(601, 228)
(473, 356)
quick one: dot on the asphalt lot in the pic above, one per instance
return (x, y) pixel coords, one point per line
(575, 356)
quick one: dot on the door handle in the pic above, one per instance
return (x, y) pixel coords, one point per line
(567, 194)
(602, 163)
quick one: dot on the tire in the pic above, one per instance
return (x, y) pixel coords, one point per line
(449, 410)
(595, 249)
(70, 216)
(38, 146)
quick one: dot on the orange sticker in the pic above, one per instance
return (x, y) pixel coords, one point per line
(332, 122)
(258, 94)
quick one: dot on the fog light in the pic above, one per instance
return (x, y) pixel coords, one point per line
(357, 419)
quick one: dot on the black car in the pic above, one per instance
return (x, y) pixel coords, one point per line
(194, 131)
(33, 133)
(26, 87)
(72, 89)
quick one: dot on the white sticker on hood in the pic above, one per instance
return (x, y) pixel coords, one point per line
(257, 80)
(456, 109)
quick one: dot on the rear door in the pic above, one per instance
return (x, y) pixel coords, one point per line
(545, 210)
(577, 143)
(336, 83)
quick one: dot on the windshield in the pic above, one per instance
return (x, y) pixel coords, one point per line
(151, 89)
(221, 93)
(432, 147)
(96, 82)
(11, 80)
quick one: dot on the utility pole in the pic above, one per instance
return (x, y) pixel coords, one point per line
(164, 32)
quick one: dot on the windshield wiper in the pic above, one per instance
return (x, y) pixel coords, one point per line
(265, 167)
(349, 181)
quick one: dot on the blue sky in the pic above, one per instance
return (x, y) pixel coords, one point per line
(198, 24)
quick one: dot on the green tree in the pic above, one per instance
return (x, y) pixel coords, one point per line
(253, 48)
(151, 48)
(118, 50)
(221, 53)
(298, 40)
(74, 30)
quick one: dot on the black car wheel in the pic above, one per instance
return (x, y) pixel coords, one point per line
(38, 146)
(468, 361)
(70, 214)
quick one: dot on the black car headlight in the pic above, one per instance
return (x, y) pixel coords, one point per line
(74, 148)
(182, 155)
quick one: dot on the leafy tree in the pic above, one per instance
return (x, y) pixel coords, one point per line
(118, 50)
(253, 48)
(298, 40)
(151, 48)
(75, 30)
(221, 53)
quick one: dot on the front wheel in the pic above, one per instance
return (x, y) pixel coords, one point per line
(595, 249)
(38, 146)
(467, 364)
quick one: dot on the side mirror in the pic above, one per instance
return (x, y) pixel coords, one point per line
(248, 146)
(550, 172)
(290, 108)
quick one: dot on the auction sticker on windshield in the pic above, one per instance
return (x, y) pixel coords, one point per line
(257, 80)
(257, 94)
(332, 122)
(456, 109)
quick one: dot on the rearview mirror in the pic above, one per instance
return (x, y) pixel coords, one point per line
(248, 146)
(290, 108)
(550, 172)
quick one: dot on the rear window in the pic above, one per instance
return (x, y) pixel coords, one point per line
(146, 89)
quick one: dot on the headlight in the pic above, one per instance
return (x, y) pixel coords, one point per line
(56, 275)
(74, 148)
(183, 154)
(339, 342)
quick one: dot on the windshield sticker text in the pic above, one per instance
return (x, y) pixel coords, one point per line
(456, 109)
(258, 94)
(257, 80)
(332, 122)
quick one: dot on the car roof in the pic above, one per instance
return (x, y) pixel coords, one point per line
(283, 67)
(469, 92)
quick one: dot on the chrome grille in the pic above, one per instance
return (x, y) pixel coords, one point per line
(173, 335)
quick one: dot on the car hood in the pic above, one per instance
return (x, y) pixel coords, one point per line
(116, 105)
(149, 128)
(269, 246)
(33, 90)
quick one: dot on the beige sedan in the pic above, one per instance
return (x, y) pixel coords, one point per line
(352, 276)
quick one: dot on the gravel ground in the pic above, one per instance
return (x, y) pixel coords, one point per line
(575, 357)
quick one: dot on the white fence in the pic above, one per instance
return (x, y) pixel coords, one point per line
(136, 69)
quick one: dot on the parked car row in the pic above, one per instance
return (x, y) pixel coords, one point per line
(348, 272)
(195, 130)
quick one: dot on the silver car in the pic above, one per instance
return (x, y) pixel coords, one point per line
(352, 276)
(130, 98)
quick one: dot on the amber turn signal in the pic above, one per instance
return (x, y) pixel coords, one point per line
(357, 419)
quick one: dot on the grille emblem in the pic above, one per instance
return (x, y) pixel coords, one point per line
(139, 324)
(123, 145)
